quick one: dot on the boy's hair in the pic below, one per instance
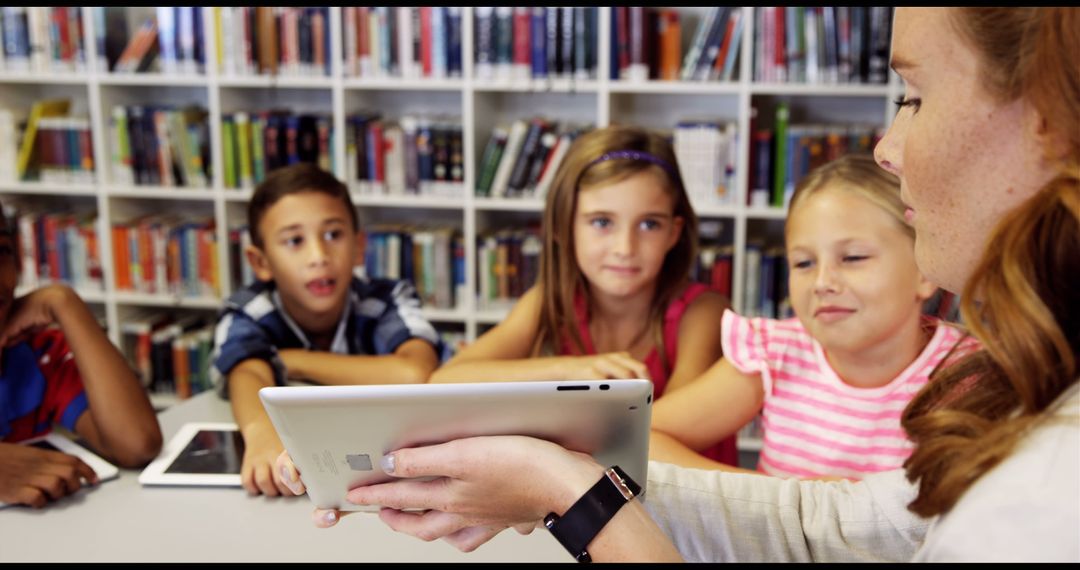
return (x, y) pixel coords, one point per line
(294, 179)
(606, 156)
(860, 174)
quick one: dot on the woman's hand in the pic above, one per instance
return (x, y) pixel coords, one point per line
(478, 487)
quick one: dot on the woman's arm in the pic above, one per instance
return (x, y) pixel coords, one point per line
(505, 481)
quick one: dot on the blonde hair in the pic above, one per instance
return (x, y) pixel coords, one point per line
(857, 173)
(1021, 300)
(560, 276)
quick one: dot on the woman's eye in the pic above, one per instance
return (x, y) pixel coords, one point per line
(650, 224)
(913, 102)
(332, 235)
(802, 264)
(293, 241)
(601, 223)
(854, 258)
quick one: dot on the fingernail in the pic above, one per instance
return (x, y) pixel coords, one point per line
(330, 517)
(387, 463)
(285, 475)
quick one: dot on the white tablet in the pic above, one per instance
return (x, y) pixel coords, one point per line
(337, 435)
(200, 454)
(55, 442)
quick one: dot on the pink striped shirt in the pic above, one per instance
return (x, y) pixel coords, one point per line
(814, 423)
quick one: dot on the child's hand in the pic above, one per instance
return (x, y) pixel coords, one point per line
(258, 473)
(34, 476)
(611, 365)
(289, 474)
(32, 312)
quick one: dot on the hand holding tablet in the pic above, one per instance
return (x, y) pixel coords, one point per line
(337, 435)
(104, 470)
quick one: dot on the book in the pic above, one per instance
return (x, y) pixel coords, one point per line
(40, 109)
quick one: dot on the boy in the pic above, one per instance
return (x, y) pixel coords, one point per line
(69, 375)
(308, 316)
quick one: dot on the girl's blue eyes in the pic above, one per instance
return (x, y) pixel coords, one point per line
(603, 223)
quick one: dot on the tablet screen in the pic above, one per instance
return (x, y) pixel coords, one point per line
(210, 451)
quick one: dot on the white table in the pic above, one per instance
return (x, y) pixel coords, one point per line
(123, 521)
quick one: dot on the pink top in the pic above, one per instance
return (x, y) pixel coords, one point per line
(724, 451)
(814, 423)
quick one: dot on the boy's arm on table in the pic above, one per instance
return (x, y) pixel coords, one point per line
(411, 363)
(261, 442)
(119, 421)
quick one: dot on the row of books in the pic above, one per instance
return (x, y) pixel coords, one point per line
(58, 247)
(50, 146)
(433, 259)
(170, 355)
(42, 39)
(255, 143)
(823, 44)
(521, 43)
(766, 282)
(406, 42)
(65, 151)
(521, 161)
(781, 155)
(707, 152)
(647, 43)
(409, 155)
(240, 272)
(507, 264)
(166, 256)
(713, 267)
(169, 39)
(160, 146)
(288, 41)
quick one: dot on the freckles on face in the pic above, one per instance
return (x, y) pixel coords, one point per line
(965, 159)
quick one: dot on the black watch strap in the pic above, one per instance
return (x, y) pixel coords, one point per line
(584, 520)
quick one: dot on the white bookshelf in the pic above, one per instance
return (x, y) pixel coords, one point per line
(480, 104)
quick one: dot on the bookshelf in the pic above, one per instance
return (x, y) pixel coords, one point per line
(480, 104)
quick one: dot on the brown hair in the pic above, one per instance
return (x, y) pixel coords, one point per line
(1021, 301)
(560, 276)
(294, 179)
(860, 174)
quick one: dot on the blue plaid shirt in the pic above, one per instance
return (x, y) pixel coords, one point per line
(381, 314)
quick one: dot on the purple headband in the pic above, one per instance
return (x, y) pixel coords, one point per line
(637, 155)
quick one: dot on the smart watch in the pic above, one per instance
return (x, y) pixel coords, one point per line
(583, 521)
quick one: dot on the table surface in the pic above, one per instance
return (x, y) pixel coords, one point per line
(121, 520)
